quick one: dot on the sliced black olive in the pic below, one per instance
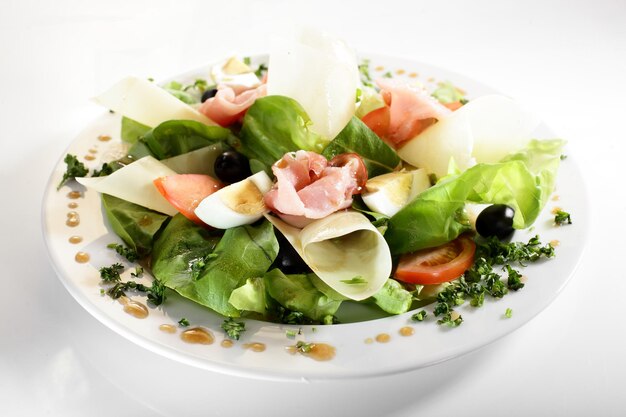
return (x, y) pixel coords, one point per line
(231, 166)
(496, 220)
(208, 94)
(288, 260)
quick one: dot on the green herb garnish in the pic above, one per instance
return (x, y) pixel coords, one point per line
(183, 322)
(508, 313)
(127, 253)
(419, 316)
(111, 273)
(561, 217)
(233, 328)
(74, 169)
(304, 347)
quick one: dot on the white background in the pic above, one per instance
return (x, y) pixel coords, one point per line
(566, 60)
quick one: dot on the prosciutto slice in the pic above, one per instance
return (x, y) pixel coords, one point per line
(228, 106)
(412, 109)
(309, 187)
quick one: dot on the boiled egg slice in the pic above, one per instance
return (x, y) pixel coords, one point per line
(236, 204)
(235, 74)
(388, 193)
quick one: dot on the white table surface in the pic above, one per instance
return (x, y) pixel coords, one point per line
(564, 59)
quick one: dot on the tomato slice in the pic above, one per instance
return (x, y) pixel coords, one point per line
(436, 265)
(186, 191)
(378, 121)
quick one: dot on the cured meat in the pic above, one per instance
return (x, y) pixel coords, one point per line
(308, 186)
(227, 107)
(411, 110)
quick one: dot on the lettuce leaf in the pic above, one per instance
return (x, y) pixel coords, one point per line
(298, 293)
(186, 259)
(273, 126)
(356, 137)
(523, 181)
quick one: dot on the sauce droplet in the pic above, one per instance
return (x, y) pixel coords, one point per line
(556, 210)
(81, 257)
(89, 157)
(227, 343)
(74, 195)
(317, 351)
(197, 335)
(75, 239)
(554, 243)
(383, 338)
(556, 197)
(400, 71)
(73, 219)
(72, 205)
(380, 68)
(104, 138)
(255, 347)
(407, 331)
(93, 151)
(134, 308)
(167, 328)
(369, 341)
(413, 75)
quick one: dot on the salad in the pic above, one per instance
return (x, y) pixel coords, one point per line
(283, 192)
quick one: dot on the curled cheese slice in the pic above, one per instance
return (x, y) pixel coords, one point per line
(147, 103)
(134, 183)
(344, 250)
(484, 130)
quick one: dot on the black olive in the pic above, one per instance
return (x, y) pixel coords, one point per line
(231, 166)
(288, 260)
(496, 220)
(208, 94)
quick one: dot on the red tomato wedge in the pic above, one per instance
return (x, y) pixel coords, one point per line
(186, 191)
(378, 121)
(436, 265)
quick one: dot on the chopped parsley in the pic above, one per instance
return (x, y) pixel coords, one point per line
(561, 217)
(364, 70)
(482, 280)
(74, 169)
(183, 322)
(304, 347)
(419, 316)
(233, 328)
(127, 253)
(387, 75)
(138, 272)
(155, 293)
(355, 280)
(508, 313)
(291, 333)
(261, 70)
(111, 273)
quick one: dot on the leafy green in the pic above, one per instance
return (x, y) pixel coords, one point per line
(364, 72)
(181, 251)
(446, 92)
(393, 298)
(132, 130)
(176, 137)
(74, 168)
(356, 137)
(273, 126)
(233, 328)
(251, 296)
(134, 224)
(182, 243)
(298, 293)
(523, 181)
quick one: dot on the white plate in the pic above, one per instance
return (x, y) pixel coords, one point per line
(430, 342)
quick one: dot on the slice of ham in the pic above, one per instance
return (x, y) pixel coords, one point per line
(411, 110)
(309, 187)
(227, 106)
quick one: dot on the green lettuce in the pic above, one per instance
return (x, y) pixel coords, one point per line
(134, 224)
(356, 137)
(523, 181)
(273, 126)
(186, 259)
